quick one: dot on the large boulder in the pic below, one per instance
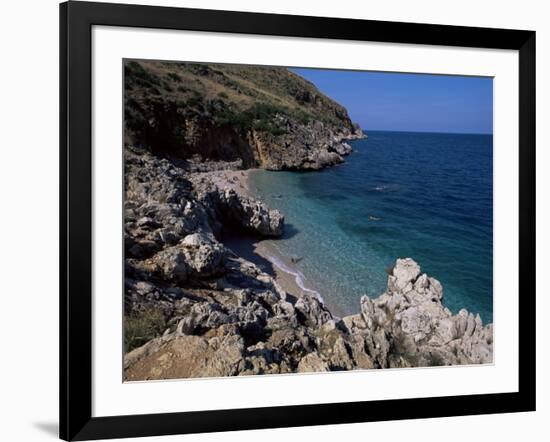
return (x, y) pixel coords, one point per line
(250, 214)
(196, 256)
(204, 256)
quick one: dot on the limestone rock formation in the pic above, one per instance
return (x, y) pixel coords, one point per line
(250, 214)
(261, 330)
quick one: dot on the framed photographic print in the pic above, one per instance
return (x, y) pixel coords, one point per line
(272, 220)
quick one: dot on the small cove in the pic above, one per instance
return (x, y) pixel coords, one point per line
(427, 196)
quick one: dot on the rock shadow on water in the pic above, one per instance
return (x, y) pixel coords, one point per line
(290, 231)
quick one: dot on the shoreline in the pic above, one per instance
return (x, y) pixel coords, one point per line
(268, 259)
(261, 251)
(290, 277)
(265, 253)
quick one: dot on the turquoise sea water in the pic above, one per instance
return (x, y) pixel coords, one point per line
(421, 195)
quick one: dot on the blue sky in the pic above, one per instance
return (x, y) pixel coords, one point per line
(409, 102)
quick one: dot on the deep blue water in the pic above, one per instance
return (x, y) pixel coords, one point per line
(421, 195)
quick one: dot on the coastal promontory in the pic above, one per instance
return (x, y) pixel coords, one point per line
(266, 117)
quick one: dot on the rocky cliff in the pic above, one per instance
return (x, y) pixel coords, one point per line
(266, 117)
(193, 308)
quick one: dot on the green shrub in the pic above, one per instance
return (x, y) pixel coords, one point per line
(133, 71)
(302, 117)
(141, 327)
(153, 90)
(194, 101)
(174, 76)
(259, 117)
(268, 126)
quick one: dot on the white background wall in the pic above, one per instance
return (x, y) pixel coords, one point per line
(29, 216)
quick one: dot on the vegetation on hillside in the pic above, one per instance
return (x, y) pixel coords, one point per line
(171, 105)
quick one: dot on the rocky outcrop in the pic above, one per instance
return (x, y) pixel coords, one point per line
(195, 256)
(252, 215)
(417, 330)
(313, 146)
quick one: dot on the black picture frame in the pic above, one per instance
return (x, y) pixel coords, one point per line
(76, 21)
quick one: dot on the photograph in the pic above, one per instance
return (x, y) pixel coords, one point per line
(283, 220)
(267, 221)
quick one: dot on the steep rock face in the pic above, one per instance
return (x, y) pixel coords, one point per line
(265, 117)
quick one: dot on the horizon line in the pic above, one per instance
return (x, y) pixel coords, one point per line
(425, 132)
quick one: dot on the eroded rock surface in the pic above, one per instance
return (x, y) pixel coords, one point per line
(221, 315)
(246, 325)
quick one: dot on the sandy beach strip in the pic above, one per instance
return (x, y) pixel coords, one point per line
(263, 253)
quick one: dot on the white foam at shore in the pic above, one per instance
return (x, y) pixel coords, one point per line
(298, 276)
